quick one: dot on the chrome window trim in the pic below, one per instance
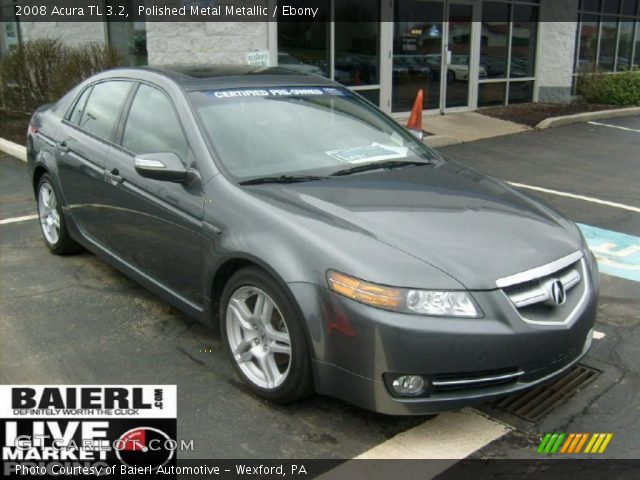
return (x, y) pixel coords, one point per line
(578, 309)
(538, 272)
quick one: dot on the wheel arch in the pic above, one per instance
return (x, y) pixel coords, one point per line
(226, 269)
(236, 262)
(38, 172)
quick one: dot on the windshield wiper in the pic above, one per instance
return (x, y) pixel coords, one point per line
(379, 165)
(282, 179)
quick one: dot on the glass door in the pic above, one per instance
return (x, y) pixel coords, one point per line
(417, 54)
(457, 57)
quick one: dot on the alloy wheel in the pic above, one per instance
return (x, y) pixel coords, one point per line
(48, 213)
(258, 337)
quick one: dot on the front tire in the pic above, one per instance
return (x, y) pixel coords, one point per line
(264, 337)
(52, 223)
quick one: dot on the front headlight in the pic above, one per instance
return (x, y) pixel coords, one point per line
(423, 302)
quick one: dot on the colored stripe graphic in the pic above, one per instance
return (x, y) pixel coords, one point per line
(568, 442)
(584, 439)
(573, 443)
(543, 443)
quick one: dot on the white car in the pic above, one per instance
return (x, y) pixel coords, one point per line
(458, 69)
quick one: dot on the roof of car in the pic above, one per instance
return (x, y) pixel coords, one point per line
(231, 76)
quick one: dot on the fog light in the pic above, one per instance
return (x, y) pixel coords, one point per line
(409, 385)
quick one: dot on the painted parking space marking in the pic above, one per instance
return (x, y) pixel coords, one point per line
(576, 196)
(619, 127)
(24, 218)
(452, 435)
(617, 253)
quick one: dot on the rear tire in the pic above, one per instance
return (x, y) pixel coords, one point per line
(264, 337)
(52, 223)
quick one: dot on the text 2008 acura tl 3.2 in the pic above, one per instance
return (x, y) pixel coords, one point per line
(335, 250)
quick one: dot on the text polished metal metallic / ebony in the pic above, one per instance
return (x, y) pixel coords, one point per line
(335, 252)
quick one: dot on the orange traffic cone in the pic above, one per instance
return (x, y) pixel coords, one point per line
(415, 120)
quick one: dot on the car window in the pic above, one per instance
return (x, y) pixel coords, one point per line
(152, 125)
(103, 107)
(79, 107)
(299, 130)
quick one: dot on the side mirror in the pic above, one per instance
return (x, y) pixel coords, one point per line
(161, 166)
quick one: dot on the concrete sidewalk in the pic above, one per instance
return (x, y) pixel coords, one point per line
(462, 127)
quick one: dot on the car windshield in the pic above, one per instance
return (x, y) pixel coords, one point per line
(300, 131)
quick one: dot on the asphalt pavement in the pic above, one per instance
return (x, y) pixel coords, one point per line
(75, 320)
(601, 162)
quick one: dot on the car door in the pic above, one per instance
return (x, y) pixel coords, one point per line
(83, 141)
(155, 226)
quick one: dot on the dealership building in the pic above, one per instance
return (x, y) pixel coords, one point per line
(464, 54)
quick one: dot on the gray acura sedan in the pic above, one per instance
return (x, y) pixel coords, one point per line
(335, 251)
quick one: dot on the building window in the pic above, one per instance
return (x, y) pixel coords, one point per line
(130, 38)
(305, 46)
(9, 30)
(348, 53)
(608, 36)
(507, 52)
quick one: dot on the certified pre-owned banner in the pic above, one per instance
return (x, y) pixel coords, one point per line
(87, 429)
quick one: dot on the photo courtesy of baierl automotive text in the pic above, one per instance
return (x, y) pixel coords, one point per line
(319, 239)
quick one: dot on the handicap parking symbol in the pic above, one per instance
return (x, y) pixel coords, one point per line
(617, 253)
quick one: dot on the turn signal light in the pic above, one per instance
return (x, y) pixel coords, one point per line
(364, 292)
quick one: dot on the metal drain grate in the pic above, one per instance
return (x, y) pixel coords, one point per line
(535, 404)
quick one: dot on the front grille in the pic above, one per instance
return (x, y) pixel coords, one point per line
(536, 291)
(449, 382)
(531, 293)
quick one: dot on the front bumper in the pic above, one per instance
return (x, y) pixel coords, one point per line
(355, 345)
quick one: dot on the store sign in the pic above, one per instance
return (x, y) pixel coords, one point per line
(259, 58)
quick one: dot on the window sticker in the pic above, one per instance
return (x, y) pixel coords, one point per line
(370, 153)
(276, 92)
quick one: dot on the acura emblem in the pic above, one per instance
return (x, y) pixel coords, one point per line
(556, 290)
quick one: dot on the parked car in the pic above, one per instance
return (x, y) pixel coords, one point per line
(415, 65)
(335, 251)
(457, 70)
(297, 65)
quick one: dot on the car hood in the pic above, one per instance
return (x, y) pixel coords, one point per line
(464, 223)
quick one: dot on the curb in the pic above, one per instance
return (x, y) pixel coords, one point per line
(13, 149)
(586, 117)
(437, 141)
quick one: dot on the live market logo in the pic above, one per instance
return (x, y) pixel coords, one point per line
(87, 429)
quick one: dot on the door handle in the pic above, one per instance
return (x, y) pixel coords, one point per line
(114, 175)
(62, 146)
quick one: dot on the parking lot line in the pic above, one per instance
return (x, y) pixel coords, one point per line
(615, 126)
(578, 197)
(453, 435)
(18, 219)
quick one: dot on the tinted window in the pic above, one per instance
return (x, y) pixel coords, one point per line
(79, 106)
(103, 107)
(152, 125)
